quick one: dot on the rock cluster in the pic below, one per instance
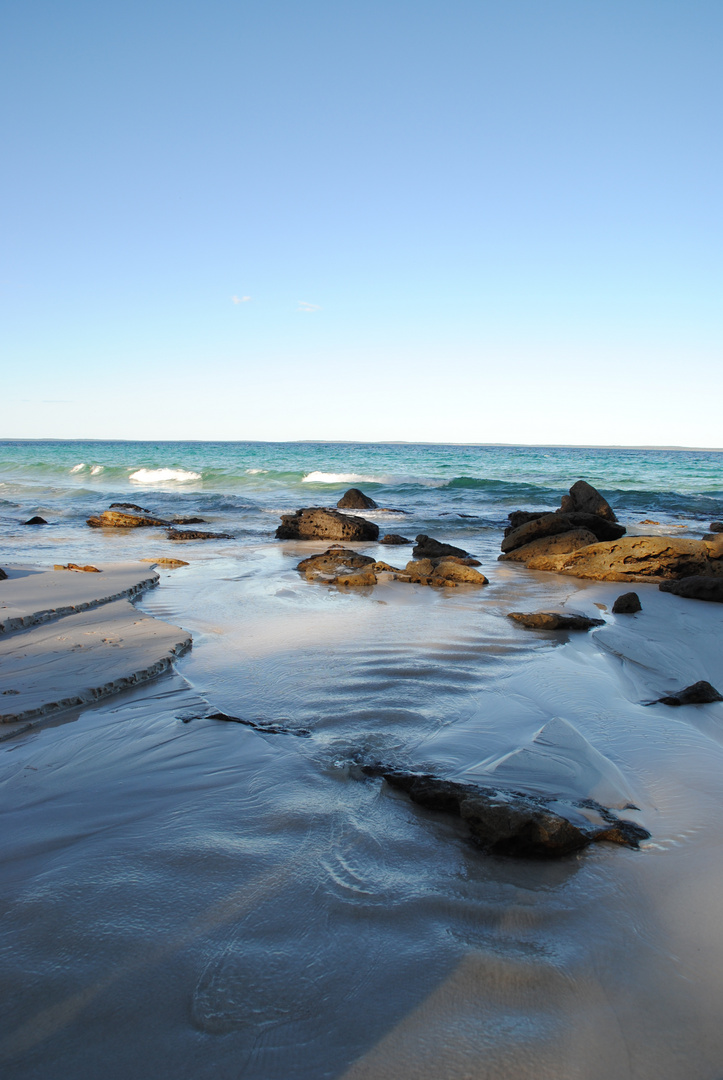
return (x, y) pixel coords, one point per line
(343, 567)
(319, 522)
(511, 823)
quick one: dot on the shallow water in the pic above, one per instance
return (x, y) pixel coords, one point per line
(201, 899)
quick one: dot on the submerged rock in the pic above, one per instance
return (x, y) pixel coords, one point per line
(395, 538)
(195, 534)
(634, 558)
(354, 499)
(115, 519)
(429, 548)
(170, 563)
(36, 521)
(697, 587)
(318, 522)
(700, 693)
(554, 620)
(189, 519)
(513, 823)
(129, 506)
(585, 499)
(627, 604)
(267, 727)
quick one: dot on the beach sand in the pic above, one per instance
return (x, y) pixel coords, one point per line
(184, 896)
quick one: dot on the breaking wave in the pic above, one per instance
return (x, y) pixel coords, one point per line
(163, 476)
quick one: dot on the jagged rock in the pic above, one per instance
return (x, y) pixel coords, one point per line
(36, 521)
(170, 563)
(195, 534)
(627, 604)
(558, 544)
(3, 575)
(354, 499)
(700, 693)
(552, 524)
(74, 566)
(512, 823)
(585, 499)
(318, 522)
(114, 519)
(634, 558)
(188, 520)
(429, 548)
(129, 506)
(553, 620)
(332, 560)
(395, 538)
(716, 526)
(697, 587)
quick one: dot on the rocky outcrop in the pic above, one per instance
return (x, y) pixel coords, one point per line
(634, 558)
(35, 521)
(332, 560)
(354, 499)
(628, 603)
(697, 587)
(700, 693)
(557, 544)
(318, 522)
(395, 538)
(585, 499)
(195, 534)
(554, 620)
(429, 548)
(553, 524)
(116, 519)
(511, 823)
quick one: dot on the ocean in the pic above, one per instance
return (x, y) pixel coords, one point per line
(187, 897)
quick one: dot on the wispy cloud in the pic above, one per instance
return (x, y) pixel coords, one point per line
(304, 305)
(240, 299)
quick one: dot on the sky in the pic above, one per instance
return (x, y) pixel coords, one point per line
(483, 221)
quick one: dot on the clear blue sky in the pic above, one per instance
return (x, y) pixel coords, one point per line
(484, 221)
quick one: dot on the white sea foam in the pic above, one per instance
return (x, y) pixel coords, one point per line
(255, 472)
(96, 469)
(78, 468)
(363, 478)
(163, 476)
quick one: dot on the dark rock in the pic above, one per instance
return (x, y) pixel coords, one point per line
(318, 522)
(698, 587)
(510, 822)
(395, 538)
(332, 560)
(3, 575)
(552, 524)
(634, 558)
(627, 604)
(129, 506)
(188, 520)
(558, 544)
(521, 517)
(429, 548)
(354, 499)
(553, 620)
(700, 693)
(585, 499)
(716, 526)
(36, 521)
(195, 534)
(114, 519)
(265, 726)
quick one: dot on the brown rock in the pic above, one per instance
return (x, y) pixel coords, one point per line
(170, 563)
(195, 534)
(553, 620)
(429, 548)
(447, 571)
(714, 545)
(114, 519)
(332, 560)
(315, 522)
(74, 566)
(552, 524)
(698, 587)
(394, 538)
(585, 499)
(700, 693)
(354, 579)
(558, 544)
(354, 499)
(510, 822)
(634, 558)
(627, 604)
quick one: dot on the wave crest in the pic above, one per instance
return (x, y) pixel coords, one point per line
(163, 476)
